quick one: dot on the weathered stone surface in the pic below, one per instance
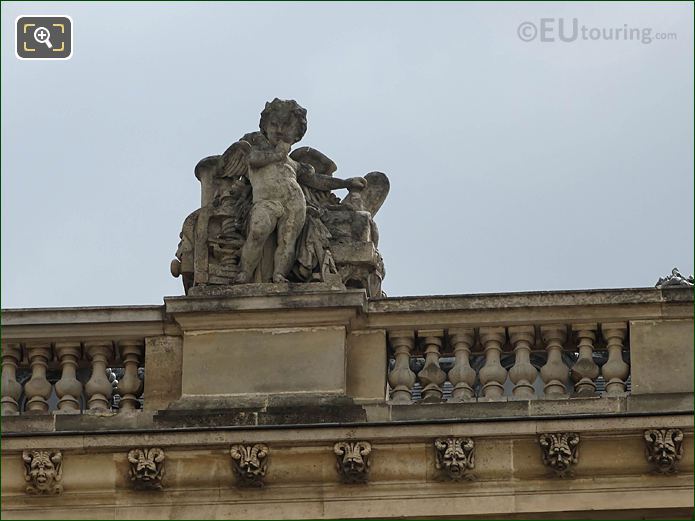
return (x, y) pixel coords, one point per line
(206, 417)
(269, 288)
(366, 365)
(308, 414)
(541, 299)
(29, 423)
(674, 403)
(219, 362)
(163, 386)
(101, 421)
(316, 409)
(256, 297)
(460, 411)
(312, 415)
(661, 356)
(268, 215)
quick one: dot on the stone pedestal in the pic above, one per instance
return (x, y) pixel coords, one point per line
(246, 345)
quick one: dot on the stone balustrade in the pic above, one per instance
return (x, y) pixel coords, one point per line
(322, 346)
(71, 376)
(327, 404)
(497, 363)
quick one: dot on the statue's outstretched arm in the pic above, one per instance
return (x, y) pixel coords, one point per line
(310, 178)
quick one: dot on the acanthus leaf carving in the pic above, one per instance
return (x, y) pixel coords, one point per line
(664, 449)
(250, 463)
(146, 468)
(455, 457)
(353, 460)
(43, 471)
(560, 451)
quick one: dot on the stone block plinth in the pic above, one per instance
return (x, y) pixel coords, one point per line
(243, 346)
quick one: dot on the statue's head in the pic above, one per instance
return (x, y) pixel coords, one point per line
(283, 120)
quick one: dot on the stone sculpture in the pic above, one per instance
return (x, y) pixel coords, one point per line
(664, 449)
(146, 468)
(268, 214)
(560, 451)
(353, 460)
(675, 279)
(250, 463)
(455, 457)
(43, 471)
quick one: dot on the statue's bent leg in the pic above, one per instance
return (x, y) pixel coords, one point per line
(262, 220)
(289, 227)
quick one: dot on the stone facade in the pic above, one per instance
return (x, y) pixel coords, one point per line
(284, 384)
(355, 415)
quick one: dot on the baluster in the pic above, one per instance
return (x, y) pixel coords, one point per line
(431, 375)
(523, 374)
(585, 371)
(615, 370)
(130, 385)
(38, 388)
(11, 388)
(68, 388)
(492, 374)
(401, 378)
(98, 387)
(554, 373)
(462, 375)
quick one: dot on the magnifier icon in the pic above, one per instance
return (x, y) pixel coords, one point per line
(43, 35)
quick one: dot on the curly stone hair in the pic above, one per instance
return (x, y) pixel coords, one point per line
(286, 109)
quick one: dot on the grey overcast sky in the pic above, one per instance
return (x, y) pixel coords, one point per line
(514, 166)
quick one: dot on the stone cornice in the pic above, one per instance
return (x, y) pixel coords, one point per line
(85, 322)
(531, 307)
(346, 307)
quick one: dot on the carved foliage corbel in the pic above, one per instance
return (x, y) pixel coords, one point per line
(353, 460)
(43, 471)
(560, 450)
(250, 463)
(146, 468)
(455, 457)
(664, 449)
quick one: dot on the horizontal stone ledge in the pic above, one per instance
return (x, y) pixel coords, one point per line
(535, 497)
(278, 296)
(281, 412)
(85, 323)
(596, 297)
(82, 315)
(119, 431)
(210, 504)
(320, 298)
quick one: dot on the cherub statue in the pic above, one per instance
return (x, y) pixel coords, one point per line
(279, 204)
(268, 215)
